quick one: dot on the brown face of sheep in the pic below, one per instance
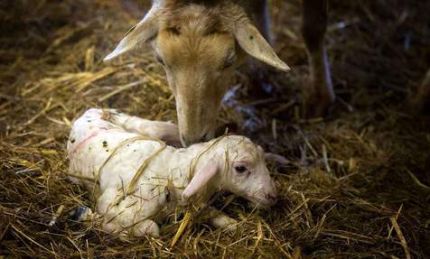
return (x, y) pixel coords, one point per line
(198, 70)
(199, 47)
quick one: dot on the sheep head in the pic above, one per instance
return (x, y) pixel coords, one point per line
(236, 165)
(199, 45)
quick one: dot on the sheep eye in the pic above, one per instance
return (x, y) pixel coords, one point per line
(229, 61)
(174, 30)
(240, 169)
(159, 59)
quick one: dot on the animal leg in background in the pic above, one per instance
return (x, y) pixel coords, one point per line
(257, 72)
(319, 94)
(421, 99)
(260, 11)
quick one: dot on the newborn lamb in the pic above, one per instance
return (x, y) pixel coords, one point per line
(135, 178)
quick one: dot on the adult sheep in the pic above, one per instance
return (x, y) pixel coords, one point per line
(201, 42)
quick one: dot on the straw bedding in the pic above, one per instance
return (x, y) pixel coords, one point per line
(357, 182)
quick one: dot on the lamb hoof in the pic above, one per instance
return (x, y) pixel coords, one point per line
(81, 213)
(224, 222)
(147, 227)
(232, 227)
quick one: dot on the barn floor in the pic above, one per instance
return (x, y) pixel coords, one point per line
(357, 184)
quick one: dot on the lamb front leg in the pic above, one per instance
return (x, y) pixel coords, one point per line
(221, 220)
(165, 131)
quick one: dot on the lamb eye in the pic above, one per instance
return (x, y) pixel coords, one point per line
(240, 169)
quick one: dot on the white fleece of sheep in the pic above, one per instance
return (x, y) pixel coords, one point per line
(91, 148)
(135, 178)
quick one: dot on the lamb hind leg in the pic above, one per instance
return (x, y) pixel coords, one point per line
(129, 216)
(319, 94)
(146, 227)
(165, 131)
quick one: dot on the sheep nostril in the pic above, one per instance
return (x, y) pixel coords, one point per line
(189, 141)
(208, 136)
(186, 142)
(202, 139)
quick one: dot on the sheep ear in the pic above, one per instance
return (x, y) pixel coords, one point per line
(145, 30)
(253, 43)
(201, 178)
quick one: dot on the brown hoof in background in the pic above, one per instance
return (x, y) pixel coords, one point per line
(420, 105)
(317, 101)
(420, 102)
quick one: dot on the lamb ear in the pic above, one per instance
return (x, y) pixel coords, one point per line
(201, 178)
(146, 29)
(277, 158)
(253, 43)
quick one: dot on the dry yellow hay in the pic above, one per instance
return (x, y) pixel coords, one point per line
(348, 176)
